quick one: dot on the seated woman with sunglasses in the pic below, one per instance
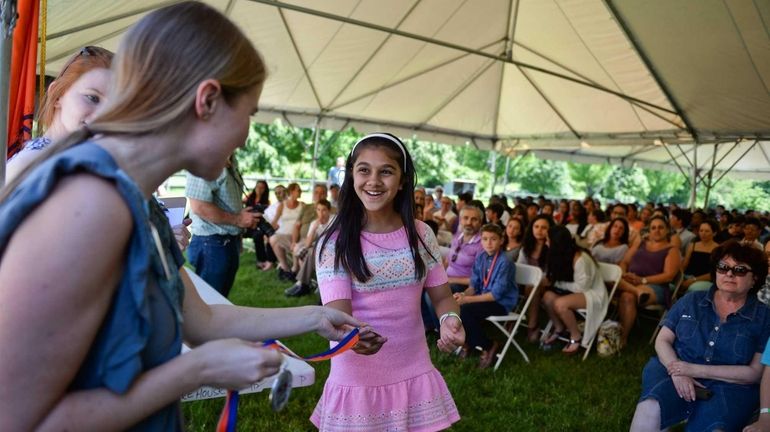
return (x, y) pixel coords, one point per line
(71, 101)
(708, 368)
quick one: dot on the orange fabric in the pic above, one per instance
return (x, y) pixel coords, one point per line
(23, 64)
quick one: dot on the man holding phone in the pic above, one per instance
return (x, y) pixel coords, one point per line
(218, 222)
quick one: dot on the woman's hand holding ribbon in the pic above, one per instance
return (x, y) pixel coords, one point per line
(334, 324)
(234, 363)
(452, 335)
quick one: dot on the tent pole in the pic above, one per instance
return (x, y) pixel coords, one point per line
(507, 170)
(494, 171)
(7, 24)
(709, 185)
(315, 147)
(694, 177)
(665, 147)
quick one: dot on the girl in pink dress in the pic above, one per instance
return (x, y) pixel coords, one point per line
(374, 262)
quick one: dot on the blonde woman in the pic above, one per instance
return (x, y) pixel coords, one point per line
(91, 338)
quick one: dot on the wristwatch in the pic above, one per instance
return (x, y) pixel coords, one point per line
(644, 281)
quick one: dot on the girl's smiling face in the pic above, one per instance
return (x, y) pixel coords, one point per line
(376, 179)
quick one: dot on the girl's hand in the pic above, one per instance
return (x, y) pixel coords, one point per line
(452, 335)
(334, 324)
(369, 342)
(459, 298)
(235, 364)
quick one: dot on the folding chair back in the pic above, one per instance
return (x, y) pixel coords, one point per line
(611, 274)
(662, 310)
(525, 275)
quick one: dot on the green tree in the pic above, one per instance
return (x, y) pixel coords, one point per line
(283, 151)
(744, 194)
(627, 185)
(589, 179)
(666, 186)
(433, 162)
(541, 176)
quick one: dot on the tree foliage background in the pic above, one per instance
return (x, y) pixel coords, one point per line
(285, 153)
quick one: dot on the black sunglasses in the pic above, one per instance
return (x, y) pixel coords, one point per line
(457, 251)
(739, 270)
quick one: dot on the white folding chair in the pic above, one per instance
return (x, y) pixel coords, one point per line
(611, 274)
(662, 310)
(525, 275)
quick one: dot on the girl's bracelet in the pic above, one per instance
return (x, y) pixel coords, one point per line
(447, 315)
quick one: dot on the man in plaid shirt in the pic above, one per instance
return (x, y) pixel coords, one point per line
(218, 222)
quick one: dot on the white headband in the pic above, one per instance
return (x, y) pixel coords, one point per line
(386, 136)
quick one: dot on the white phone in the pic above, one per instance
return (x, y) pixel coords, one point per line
(175, 209)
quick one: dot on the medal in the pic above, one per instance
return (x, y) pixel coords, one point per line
(281, 388)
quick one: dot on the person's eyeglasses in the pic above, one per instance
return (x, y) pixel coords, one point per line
(457, 251)
(739, 270)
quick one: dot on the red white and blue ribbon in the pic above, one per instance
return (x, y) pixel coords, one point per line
(229, 416)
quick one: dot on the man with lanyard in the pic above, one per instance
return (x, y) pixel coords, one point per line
(465, 247)
(218, 222)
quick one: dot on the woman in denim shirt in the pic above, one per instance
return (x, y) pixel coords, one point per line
(708, 366)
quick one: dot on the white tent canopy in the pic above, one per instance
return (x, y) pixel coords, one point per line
(621, 81)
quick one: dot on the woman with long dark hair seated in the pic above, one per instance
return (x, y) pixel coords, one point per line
(535, 252)
(697, 260)
(514, 237)
(613, 247)
(576, 284)
(259, 201)
(708, 368)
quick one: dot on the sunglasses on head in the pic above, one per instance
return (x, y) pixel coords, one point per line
(86, 51)
(738, 270)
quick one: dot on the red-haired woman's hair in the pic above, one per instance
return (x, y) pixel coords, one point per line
(86, 60)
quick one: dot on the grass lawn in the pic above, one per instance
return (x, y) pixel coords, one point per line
(552, 393)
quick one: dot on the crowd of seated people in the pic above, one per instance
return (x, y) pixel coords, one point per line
(655, 246)
(652, 243)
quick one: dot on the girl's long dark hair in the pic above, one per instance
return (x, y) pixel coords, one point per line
(351, 214)
(519, 237)
(530, 242)
(624, 237)
(561, 254)
(264, 200)
(581, 218)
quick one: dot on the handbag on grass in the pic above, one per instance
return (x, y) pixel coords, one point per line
(608, 339)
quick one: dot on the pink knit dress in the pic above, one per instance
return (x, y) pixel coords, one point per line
(396, 389)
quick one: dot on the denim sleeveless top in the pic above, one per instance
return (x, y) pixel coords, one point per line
(142, 328)
(646, 263)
